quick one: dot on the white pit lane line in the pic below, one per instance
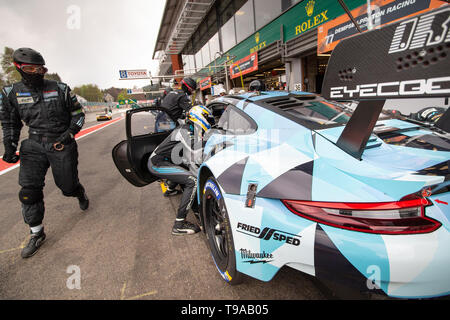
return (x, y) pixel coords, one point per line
(100, 127)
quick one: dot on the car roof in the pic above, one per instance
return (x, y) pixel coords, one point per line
(253, 96)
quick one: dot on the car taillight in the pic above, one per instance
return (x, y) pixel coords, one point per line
(406, 216)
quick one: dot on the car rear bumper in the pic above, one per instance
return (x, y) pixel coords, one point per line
(269, 237)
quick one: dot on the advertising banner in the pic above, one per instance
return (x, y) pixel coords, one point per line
(127, 101)
(133, 74)
(383, 12)
(302, 17)
(135, 91)
(244, 66)
(205, 83)
(406, 59)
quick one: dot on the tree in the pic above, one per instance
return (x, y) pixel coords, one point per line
(53, 76)
(114, 92)
(123, 95)
(10, 73)
(2, 82)
(90, 92)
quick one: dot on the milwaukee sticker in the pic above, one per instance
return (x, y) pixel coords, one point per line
(255, 257)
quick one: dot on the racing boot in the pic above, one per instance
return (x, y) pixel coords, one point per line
(83, 199)
(171, 189)
(171, 192)
(182, 227)
(33, 245)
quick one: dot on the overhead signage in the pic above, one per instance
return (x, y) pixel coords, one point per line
(244, 66)
(205, 83)
(135, 91)
(259, 43)
(314, 18)
(304, 16)
(127, 101)
(383, 12)
(133, 74)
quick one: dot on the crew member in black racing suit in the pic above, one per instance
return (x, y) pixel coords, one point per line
(159, 99)
(166, 91)
(54, 116)
(177, 103)
(161, 164)
(161, 116)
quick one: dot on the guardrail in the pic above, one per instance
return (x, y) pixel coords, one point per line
(89, 107)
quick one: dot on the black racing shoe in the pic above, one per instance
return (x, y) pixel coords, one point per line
(33, 245)
(171, 192)
(83, 200)
(184, 227)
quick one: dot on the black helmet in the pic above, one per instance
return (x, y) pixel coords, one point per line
(188, 85)
(257, 85)
(27, 55)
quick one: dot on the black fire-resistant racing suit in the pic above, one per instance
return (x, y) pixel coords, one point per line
(50, 113)
(175, 103)
(161, 165)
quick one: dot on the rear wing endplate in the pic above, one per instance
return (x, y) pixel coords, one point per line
(407, 59)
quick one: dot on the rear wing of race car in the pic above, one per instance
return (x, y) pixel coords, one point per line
(407, 59)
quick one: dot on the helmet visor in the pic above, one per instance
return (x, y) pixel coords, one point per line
(32, 68)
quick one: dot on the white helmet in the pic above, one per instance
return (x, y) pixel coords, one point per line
(198, 115)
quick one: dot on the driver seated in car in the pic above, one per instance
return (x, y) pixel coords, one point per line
(172, 157)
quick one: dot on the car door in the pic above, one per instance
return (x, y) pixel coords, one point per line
(145, 129)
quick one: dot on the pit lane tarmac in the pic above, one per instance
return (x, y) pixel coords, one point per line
(121, 247)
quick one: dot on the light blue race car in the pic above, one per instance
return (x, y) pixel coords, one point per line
(275, 190)
(356, 198)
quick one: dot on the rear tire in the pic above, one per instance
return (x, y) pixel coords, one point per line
(218, 232)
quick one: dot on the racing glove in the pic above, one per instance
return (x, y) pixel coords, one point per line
(11, 126)
(10, 155)
(66, 137)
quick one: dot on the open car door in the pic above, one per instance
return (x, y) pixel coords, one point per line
(146, 128)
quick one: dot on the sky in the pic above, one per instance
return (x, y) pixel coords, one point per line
(86, 41)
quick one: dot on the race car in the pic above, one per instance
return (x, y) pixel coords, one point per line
(275, 190)
(105, 116)
(293, 179)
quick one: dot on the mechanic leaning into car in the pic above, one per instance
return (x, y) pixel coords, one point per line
(161, 164)
(177, 103)
(54, 116)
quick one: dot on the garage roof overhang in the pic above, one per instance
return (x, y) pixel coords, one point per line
(180, 20)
